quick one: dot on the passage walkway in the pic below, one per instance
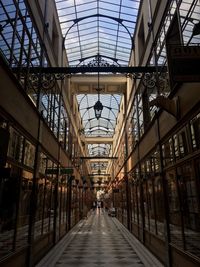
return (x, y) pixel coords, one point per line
(99, 240)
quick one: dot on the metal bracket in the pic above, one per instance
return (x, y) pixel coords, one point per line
(172, 106)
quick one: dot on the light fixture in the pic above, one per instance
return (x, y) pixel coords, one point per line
(98, 107)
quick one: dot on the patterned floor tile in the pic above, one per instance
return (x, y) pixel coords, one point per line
(99, 243)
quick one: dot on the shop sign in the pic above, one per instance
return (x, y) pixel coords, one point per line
(51, 171)
(62, 171)
(68, 170)
(183, 62)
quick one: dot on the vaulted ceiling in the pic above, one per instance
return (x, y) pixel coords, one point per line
(98, 33)
(99, 27)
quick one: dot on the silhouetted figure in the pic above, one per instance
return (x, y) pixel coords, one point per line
(99, 206)
(94, 205)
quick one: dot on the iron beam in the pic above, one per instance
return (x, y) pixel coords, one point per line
(98, 157)
(90, 69)
(96, 174)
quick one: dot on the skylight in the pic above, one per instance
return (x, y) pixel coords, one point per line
(92, 28)
(105, 126)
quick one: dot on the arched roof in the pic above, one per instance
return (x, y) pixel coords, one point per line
(98, 33)
(97, 27)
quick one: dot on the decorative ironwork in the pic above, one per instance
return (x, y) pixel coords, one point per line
(149, 80)
(47, 77)
(45, 81)
(98, 157)
(98, 61)
(98, 15)
(83, 69)
(163, 81)
(152, 80)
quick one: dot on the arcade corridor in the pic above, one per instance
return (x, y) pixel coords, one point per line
(99, 240)
(99, 105)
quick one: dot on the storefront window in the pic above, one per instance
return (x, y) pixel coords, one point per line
(43, 163)
(145, 204)
(180, 144)
(183, 147)
(135, 126)
(156, 162)
(9, 188)
(176, 148)
(24, 208)
(135, 204)
(189, 206)
(129, 130)
(195, 132)
(29, 154)
(174, 209)
(151, 207)
(49, 199)
(140, 114)
(148, 166)
(40, 207)
(64, 203)
(15, 148)
(159, 205)
(167, 150)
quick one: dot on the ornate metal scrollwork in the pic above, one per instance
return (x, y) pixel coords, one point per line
(149, 80)
(163, 81)
(134, 75)
(152, 80)
(45, 81)
(98, 61)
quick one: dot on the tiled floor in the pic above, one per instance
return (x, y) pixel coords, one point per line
(99, 240)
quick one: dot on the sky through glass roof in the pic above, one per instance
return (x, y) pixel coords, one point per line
(94, 28)
(98, 32)
(104, 126)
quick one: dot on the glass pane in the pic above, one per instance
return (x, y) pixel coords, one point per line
(195, 132)
(24, 208)
(190, 207)
(39, 219)
(9, 188)
(29, 154)
(174, 210)
(15, 148)
(159, 205)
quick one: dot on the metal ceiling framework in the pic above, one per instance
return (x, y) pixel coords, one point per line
(97, 27)
(94, 29)
(97, 36)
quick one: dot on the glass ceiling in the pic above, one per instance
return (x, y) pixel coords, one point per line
(98, 32)
(105, 125)
(92, 28)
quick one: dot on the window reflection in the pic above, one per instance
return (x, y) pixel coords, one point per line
(24, 208)
(189, 207)
(195, 132)
(174, 209)
(29, 154)
(15, 148)
(159, 205)
(167, 150)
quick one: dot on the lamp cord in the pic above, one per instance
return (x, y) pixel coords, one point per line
(98, 85)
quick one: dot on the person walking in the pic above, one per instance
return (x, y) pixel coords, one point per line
(99, 206)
